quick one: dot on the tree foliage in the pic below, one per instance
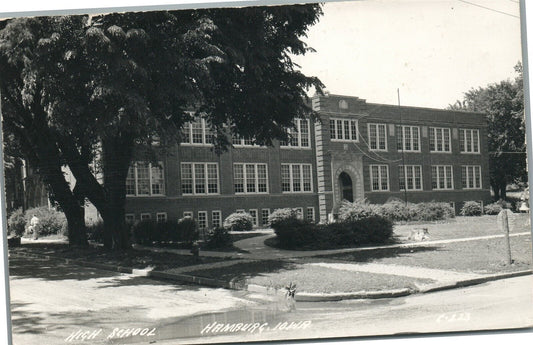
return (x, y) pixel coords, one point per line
(76, 88)
(503, 103)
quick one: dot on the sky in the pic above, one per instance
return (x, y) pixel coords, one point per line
(433, 51)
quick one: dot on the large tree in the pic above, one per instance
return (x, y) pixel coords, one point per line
(503, 103)
(76, 88)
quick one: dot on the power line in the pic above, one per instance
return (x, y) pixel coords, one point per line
(490, 9)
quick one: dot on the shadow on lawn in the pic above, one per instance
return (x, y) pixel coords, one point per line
(241, 271)
(31, 268)
(375, 254)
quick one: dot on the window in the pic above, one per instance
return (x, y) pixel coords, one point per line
(250, 178)
(441, 177)
(296, 178)
(310, 215)
(265, 213)
(161, 217)
(216, 218)
(253, 213)
(240, 211)
(439, 139)
(408, 138)
(471, 176)
(145, 179)
(202, 219)
(238, 141)
(129, 218)
(187, 214)
(343, 130)
(199, 178)
(379, 177)
(377, 136)
(197, 133)
(299, 136)
(469, 140)
(410, 177)
(146, 216)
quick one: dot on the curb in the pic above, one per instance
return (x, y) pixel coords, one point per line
(300, 297)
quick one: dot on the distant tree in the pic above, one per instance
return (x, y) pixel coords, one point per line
(77, 88)
(503, 103)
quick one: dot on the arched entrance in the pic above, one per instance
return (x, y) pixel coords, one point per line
(345, 182)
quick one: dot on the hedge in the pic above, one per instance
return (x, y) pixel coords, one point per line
(149, 231)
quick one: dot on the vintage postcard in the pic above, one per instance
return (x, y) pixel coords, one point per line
(244, 172)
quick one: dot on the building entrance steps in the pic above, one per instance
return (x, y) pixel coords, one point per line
(400, 270)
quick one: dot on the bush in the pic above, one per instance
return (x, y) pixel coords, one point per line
(297, 233)
(397, 210)
(239, 221)
(359, 209)
(149, 231)
(95, 231)
(50, 222)
(186, 231)
(471, 208)
(430, 211)
(16, 224)
(282, 214)
(293, 232)
(218, 238)
(493, 209)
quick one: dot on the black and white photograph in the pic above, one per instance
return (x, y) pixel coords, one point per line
(256, 172)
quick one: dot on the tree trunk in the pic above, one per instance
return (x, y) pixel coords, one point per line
(116, 154)
(496, 190)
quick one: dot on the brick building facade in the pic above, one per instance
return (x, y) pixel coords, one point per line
(355, 150)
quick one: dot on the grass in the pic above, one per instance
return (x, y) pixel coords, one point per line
(481, 256)
(279, 273)
(129, 258)
(462, 227)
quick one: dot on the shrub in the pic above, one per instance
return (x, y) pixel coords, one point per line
(359, 209)
(297, 233)
(16, 224)
(239, 221)
(493, 209)
(95, 231)
(293, 232)
(50, 222)
(282, 214)
(218, 238)
(430, 211)
(143, 231)
(186, 230)
(148, 231)
(374, 229)
(397, 210)
(471, 208)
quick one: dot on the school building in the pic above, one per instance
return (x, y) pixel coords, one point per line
(354, 150)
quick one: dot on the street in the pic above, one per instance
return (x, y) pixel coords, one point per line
(54, 303)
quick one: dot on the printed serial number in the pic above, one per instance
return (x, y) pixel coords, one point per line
(454, 317)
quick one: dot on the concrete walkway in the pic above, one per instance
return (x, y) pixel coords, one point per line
(441, 276)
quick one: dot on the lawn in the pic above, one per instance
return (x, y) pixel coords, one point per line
(308, 278)
(462, 227)
(480, 256)
(133, 258)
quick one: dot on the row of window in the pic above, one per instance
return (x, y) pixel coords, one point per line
(203, 178)
(407, 137)
(198, 133)
(258, 219)
(145, 179)
(410, 177)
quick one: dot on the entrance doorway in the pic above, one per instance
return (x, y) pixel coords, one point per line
(346, 186)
